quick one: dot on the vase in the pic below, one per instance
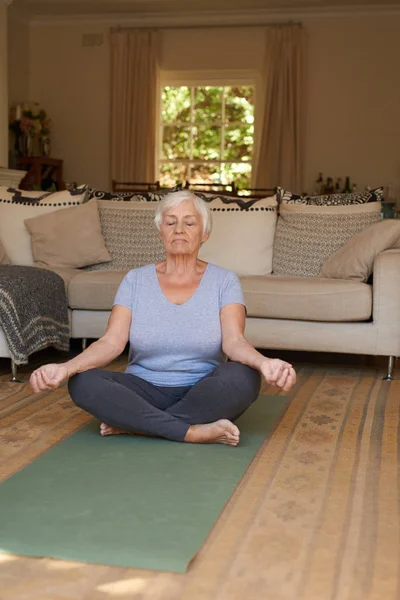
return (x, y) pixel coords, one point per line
(46, 146)
(25, 144)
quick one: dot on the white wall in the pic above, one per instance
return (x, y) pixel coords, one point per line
(353, 91)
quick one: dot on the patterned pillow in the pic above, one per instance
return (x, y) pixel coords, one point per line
(132, 196)
(64, 198)
(242, 235)
(375, 195)
(130, 235)
(18, 205)
(307, 235)
(236, 201)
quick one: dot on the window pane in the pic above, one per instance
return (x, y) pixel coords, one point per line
(239, 104)
(240, 173)
(205, 174)
(207, 142)
(176, 142)
(175, 104)
(239, 142)
(207, 103)
(172, 173)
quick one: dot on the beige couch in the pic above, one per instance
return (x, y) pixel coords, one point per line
(296, 313)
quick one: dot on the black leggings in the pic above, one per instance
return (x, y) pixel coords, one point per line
(126, 401)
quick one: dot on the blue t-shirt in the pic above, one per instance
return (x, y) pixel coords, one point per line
(171, 344)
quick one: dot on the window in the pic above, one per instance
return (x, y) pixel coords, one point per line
(207, 134)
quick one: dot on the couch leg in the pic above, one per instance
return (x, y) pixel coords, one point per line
(14, 378)
(84, 344)
(389, 375)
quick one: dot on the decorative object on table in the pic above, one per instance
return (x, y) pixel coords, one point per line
(347, 186)
(31, 128)
(329, 188)
(319, 185)
(338, 185)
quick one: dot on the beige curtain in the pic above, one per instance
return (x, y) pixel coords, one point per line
(279, 159)
(134, 75)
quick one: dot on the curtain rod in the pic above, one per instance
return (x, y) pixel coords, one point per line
(210, 26)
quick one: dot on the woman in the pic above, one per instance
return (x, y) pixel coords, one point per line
(180, 316)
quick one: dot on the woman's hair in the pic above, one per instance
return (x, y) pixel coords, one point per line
(175, 198)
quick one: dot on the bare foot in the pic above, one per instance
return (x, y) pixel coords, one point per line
(108, 430)
(219, 432)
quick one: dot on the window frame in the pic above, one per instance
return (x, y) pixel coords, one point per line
(209, 78)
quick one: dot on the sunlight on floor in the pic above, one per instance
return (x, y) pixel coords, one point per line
(57, 565)
(7, 557)
(124, 586)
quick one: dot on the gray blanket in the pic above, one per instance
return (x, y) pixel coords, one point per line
(33, 310)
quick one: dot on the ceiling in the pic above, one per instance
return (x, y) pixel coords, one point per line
(54, 8)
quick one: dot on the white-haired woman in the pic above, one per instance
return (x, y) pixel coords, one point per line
(181, 316)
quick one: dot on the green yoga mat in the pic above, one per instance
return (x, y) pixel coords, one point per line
(130, 501)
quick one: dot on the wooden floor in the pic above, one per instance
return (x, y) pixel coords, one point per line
(237, 559)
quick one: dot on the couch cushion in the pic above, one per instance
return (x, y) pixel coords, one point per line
(66, 273)
(242, 235)
(94, 290)
(307, 235)
(18, 205)
(307, 298)
(4, 258)
(70, 237)
(130, 234)
(355, 260)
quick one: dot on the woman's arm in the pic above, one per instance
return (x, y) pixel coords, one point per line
(237, 348)
(109, 346)
(98, 354)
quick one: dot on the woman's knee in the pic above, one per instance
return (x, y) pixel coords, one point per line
(241, 377)
(81, 384)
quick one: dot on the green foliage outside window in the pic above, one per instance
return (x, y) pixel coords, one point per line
(207, 134)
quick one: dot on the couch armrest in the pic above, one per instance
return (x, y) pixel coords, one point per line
(386, 302)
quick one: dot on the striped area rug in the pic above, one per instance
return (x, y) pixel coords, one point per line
(316, 516)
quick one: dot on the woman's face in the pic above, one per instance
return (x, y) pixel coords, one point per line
(181, 229)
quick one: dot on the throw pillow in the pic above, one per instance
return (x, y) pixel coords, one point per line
(355, 260)
(4, 259)
(242, 235)
(235, 201)
(307, 235)
(68, 238)
(375, 195)
(130, 234)
(14, 209)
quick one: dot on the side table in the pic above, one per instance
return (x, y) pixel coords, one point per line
(40, 168)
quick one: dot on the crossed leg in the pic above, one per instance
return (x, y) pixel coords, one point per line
(202, 414)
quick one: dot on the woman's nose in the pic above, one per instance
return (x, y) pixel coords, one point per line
(178, 227)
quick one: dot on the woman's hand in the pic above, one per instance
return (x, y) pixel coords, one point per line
(48, 377)
(279, 373)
